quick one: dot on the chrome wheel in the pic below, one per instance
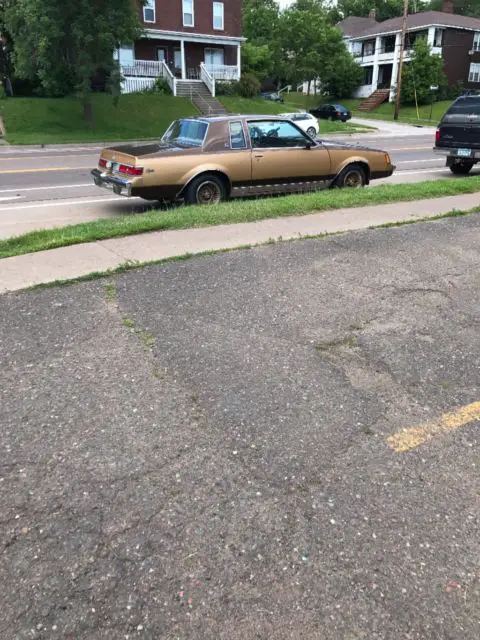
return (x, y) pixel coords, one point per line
(208, 192)
(311, 131)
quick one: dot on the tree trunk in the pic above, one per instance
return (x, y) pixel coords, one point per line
(88, 110)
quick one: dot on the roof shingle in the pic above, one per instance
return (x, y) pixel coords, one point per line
(419, 20)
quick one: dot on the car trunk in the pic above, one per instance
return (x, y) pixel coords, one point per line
(459, 134)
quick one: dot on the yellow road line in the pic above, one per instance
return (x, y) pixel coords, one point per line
(409, 439)
(46, 169)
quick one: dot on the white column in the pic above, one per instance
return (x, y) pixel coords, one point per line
(431, 36)
(239, 61)
(376, 66)
(396, 62)
(182, 55)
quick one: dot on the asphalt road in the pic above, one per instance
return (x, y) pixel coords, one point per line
(53, 187)
(207, 449)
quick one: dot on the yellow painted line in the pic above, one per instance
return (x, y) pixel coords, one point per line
(411, 438)
(47, 156)
(45, 169)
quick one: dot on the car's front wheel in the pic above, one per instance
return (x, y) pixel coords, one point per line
(312, 132)
(461, 168)
(353, 176)
(205, 189)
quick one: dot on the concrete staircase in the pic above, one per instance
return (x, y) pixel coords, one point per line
(199, 95)
(374, 100)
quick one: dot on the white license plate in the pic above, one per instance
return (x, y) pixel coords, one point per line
(464, 153)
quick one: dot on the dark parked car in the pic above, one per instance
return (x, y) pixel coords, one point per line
(458, 135)
(331, 112)
(273, 97)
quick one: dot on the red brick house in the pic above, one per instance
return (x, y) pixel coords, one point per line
(185, 40)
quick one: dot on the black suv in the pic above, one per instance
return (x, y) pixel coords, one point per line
(458, 134)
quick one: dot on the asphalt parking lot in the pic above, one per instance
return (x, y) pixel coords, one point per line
(279, 442)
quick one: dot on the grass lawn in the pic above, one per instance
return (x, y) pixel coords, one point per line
(233, 211)
(59, 120)
(408, 113)
(258, 106)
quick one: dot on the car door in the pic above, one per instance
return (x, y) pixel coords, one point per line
(282, 153)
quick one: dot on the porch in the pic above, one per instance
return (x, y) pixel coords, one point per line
(177, 62)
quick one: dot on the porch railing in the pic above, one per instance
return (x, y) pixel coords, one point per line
(142, 74)
(222, 71)
(207, 78)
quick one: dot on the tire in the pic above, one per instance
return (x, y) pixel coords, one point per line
(312, 132)
(206, 189)
(461, 168)
(353, 176)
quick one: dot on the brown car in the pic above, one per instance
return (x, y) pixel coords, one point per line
(206, 160)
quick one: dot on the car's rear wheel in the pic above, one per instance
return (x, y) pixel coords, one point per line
(206, 189)
(312, 132)
(461, 168)
(354, 176)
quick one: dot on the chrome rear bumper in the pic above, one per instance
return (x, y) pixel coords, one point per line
(117, 185)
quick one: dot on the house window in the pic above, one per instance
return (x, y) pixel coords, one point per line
(474, 75)
(218, 15)
(149, 11)
(214, 57)
(388, 44)
(187, 13)
(438, 39)
(369, 48)
(476, 42)
(368, 78)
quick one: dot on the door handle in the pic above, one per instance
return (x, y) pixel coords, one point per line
(259, 155)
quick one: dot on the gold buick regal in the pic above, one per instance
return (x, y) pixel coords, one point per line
(207, 160)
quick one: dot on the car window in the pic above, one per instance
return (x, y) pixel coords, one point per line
(276, 133)
(465, 107)
(186, 133)
(237, 137)
(300, 116)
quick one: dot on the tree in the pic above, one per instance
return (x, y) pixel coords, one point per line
(66, 44)
(385, 9)
(423, 71)
(257, 60)
(312, 46)
(344, 78)
(462, 7)
(260, 21)
(260, 27)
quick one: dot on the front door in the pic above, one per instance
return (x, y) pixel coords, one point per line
(280, 154)
(161, 54)
(177, 61)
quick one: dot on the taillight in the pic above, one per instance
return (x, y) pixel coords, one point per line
(130, 171)
(102, 163)
(437, 135)
(338, 113)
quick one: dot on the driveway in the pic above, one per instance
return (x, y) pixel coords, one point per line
(223, 447)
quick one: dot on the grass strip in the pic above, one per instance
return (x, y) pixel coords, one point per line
(233, 212)
(129, 265)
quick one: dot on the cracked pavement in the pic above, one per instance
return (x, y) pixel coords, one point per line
(198, 449)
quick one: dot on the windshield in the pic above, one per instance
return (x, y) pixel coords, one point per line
(467, 107)
(187, 133)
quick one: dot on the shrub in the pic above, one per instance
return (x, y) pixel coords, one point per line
(223, 88)
(3, 93)
(248, 86)
(161, 87)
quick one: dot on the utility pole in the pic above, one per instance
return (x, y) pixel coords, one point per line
(400, 62)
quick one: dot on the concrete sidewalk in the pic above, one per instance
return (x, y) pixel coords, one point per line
(388, 129)
(79, 260)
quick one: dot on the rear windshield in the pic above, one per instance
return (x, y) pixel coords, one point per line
(187, 133)
(465, 107)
